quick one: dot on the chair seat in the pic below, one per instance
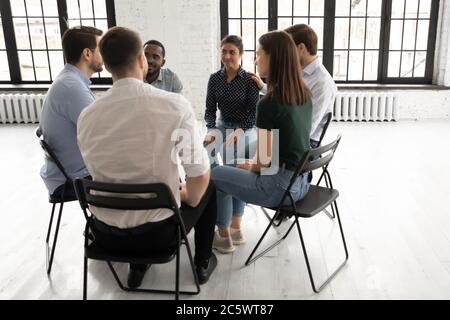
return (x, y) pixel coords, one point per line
(57, 199)
(93, 251)
(315, 201)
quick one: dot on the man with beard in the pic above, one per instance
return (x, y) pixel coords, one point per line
(67, 97)
(164, 79)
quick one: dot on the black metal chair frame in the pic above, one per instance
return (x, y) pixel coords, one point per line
(313, 160)
(161, 197)
(50, 156)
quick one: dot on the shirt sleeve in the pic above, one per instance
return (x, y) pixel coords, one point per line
(322, 100)
(265, 116)
(264, 89)
(77, 100)
(211, 105)
(192, 154)
(177, 85)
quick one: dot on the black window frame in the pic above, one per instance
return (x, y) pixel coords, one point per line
(329, 37)
(11, 45)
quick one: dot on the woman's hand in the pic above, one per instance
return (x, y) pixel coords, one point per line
(257, 79)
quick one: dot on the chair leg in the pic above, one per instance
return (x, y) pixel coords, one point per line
(85, 274)
(55, 238)
(252, 259)
(177, 274)
(311, 278)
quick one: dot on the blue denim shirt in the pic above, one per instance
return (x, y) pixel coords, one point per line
(66, 98)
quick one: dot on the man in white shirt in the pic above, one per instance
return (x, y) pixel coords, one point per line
(129, 135)
(316, 76)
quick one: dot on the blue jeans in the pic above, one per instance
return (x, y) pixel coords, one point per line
(244, 149)
(238, 185)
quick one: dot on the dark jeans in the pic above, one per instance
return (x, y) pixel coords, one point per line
(158, 237)
(69, 192)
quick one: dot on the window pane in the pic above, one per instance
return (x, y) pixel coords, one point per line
(2, 38)
(41, 65)
(26, 66)
(371, 66)
(422, 35)
(396, 35)
(37, 33)
(248, 8)
(86, 9)
(53, 33)
(409, 37)
(18, 9)
(407, 64)
(102, 24)
(21, 32)
(73, 10)
(340, 65)
(398, 8)
(88, 23)
(374, 8)
(304, 20)
(100, 9)
(74, 23)
(234, 27)
(284, 23)
(301, 8)
(56, 63)
(343, 8)
(355, 69)
(425, 9)
(394, 65)
(248, 34)
(317, 8)
(359, 8)
(317, 25)
(34, 8)
(262, 27)
(262, 9)
(4, 68)
(50, 8)
(420, 64)
(341, 33)
(373, 33)
(358, 27)
(284, 8)
(248, 61)
(411, 9)
(234, 8)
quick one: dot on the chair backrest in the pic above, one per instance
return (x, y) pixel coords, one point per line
(117, 196)
(325, 128)
(49, 154)
(317, 158)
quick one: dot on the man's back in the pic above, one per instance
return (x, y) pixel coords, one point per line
(126, 137)
(66, 98)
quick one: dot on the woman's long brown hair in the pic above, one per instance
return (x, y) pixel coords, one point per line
(284, 79)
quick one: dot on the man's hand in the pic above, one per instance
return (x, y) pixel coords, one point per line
(257, 79)
(247, 165)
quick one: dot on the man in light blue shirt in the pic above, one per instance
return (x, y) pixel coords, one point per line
(67, 97)
(164, 79)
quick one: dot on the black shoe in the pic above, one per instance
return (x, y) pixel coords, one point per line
(204, 272)
(136, 274)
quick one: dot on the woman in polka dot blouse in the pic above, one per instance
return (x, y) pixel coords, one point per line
(235, 94)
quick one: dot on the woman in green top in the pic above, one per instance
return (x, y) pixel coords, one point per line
(284, 124)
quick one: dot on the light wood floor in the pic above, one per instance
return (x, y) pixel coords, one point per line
(394, 181)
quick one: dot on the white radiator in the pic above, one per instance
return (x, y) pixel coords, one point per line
(21, 108)
(368, 106)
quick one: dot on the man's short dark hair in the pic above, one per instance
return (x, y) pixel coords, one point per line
(302, 33)
(120, 47)
(157, 43)
(76, 39)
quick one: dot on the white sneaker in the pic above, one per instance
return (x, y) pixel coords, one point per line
(237, 236)
(223, 244)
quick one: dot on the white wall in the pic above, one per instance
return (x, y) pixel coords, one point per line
(190, 30)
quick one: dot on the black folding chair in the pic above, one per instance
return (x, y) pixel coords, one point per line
(54, 200)
(159, 196)
(317, 199)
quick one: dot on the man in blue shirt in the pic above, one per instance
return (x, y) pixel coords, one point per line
(67, 97)
(164, 79)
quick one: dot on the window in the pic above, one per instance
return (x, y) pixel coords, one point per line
(33, 30)
(360, 41)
